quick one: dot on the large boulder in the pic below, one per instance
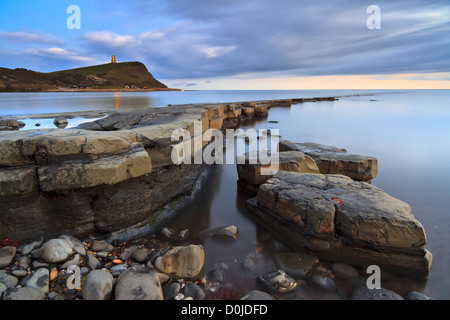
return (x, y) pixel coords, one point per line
(332, 160)
(138, 283)
(182, 262)
(356, 219)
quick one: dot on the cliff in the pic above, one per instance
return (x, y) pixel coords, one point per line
(106, 76)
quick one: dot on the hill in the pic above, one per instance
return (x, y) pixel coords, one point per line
(105, 76)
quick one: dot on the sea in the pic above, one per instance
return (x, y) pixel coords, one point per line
(408, 131)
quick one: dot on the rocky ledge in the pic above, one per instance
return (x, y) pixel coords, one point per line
(107, 174)
(339, 219)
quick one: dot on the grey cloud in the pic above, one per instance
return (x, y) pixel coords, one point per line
(289, 37)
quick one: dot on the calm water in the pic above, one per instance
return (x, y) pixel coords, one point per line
(408, 131)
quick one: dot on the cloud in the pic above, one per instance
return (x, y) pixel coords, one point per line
(60, 54)
(292, 37)
(31, 37)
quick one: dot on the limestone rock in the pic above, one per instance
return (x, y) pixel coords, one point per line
(332, 160)
(138, 283)
(251, 170)
(98, 285)
(56, 250)
(276, 282)
(182, 262)
(6, 256)
(24, 293)
(359, 221)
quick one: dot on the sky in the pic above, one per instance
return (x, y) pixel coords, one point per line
(235, 44)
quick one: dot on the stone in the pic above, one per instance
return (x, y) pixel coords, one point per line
(19, 273)
(332, 160)
(98, 285)
(276, 282)
(25, 262)
(228, 232)
(8, 280)
(363, 293)
(322, 282)
(138, 283)
(182, 261)
(60, 122)
(101, 245)
(24, 293)
(194, 291)
(139, 255)
(6, 256)
(2, 289)
(127, 252)
(359, 221)
(76, 260)
(56, 250)
(257, 295)
(9, 122)
(27, 248)
(252, 171)
(77, 245)
(344, 271)
(118, 269)
(92, 262)
(170, 291)
(39, 280)
(414, 295)
(296, 264)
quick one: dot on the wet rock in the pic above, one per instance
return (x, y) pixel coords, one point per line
(6, 256)
(118, 269)
(139, 255)
(297, 265)
(276, 282)
(322, 282)
(414, 295)
(347, 214)
(253, 172)
(19, 273)
(182, 262)
(257, 295)
(37, 264)
(171, 291)
(194, 291)
(363, 293)
(25, 262)
(228, 232)
(255, 262)
(98, 285)
(77, 245)
(39, 280)
(27, 248)
(332, 160)
(56, 250)
(92, 262)
(344, 271)
(9, 122)
(101, 245)
(60, 122)
(76, 260)
(215, 275)
(8, 280)
(24, 293)
(138, 283)
(2, 289)
(172, 235)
